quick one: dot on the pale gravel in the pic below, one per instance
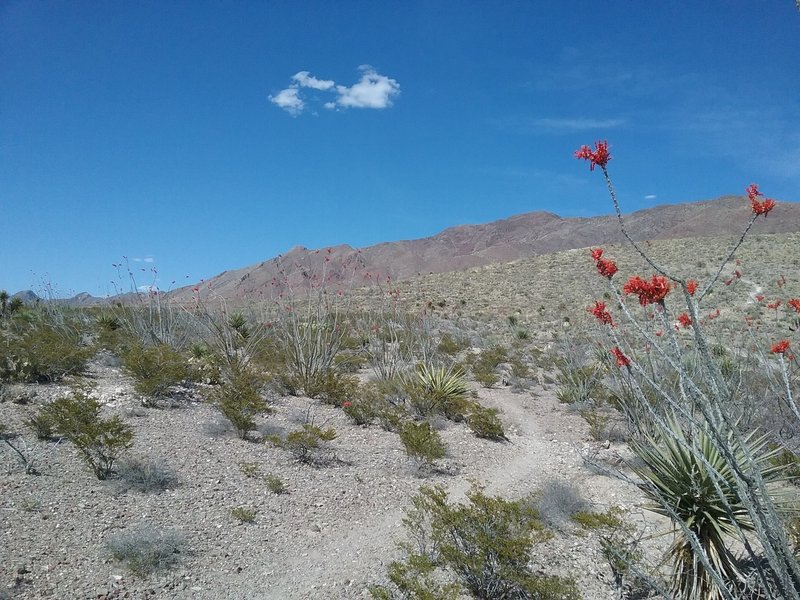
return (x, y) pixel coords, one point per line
(331, 536)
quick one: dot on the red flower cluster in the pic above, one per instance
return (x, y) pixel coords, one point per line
(775, 305)
(760, 207)
(795, 304)
(597, 157)
(781, 347)
(622, 360)
(606, 268)
(691, 286)
(649, 292)
(599, 311)
(347, 404)
(685, 320)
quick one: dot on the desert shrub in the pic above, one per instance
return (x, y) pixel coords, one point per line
(41, 423)
(249, 469)
(109, 333)
(485, 423)
(422, 443)
(244, 514)
(275, 484)
(450, 345)
(432, 391)
(99, 441)
(576, 384)
(332, 387)
(147, 549)
(558, 500)
(307, 444)
(43, 352)
(145, 475)
(483, 545)
(612, 519)
(239, 399)
(361, 411)
(597, 422)
(414, 578)
(155, 369)
(485, 364)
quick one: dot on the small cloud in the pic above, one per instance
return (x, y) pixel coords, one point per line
(306, 79)
(146, 259)
(148, 288)
(650, 197)
(372, 91)
(289, 100)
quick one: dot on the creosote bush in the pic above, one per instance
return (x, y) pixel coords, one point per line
(99, 441)
(240, 400)
(422, 443)
(482, 547)
(42, 351)
(307, 444)
(155, 369)
(485, 423)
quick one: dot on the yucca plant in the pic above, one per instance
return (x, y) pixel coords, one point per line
(689, 481)
(433, 391)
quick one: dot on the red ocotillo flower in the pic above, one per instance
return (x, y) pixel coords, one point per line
(691, 286)
(601, 313)
(795, 304)
(685, 320)
(781, 347)
(760, 207)
(649, 292)
(597, 157)
(622, 360)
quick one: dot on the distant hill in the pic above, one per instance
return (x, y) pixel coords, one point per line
(82, 299)
(467, 246)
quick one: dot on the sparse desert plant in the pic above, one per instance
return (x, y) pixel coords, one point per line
(483, 545)
(145, 475)
(450, 345)
(485, 364)
(155, 369)
(307, 444)
(422, 443)
(249, 469)
(244, 514)
(41, 423)
(99, 441)
(361, 411)
(275, 484)
(240, 400)
(27, 456)
(485, 423)
(597, 422)
(414, 579)
(146, 549)
(558, 501)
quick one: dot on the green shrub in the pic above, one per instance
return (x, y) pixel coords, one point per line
(155, 369)
(612, 519)
(485, 424)
(307, 443)
(413, 578)
(275, 484)
(333, 387)
(451, 346)
(100, 441)
(249, 469)
(41, 422)
(422, 443)
(239, 400)
(361, 411)
(243, 514)
(147, 549)
(43, 352)
(485, 545)
(485, 364)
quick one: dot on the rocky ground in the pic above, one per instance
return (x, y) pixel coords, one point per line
(329, 537)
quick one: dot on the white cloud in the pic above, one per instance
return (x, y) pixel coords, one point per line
(289, 100)
(147, 259)
(372, 91)
(306, 79)
(650, 197)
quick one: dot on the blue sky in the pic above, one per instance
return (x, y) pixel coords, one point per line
(203, 136)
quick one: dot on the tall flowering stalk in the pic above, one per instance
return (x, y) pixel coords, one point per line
(738, 491)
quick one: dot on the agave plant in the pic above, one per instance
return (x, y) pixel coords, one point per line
(689, 481)
(434, 391)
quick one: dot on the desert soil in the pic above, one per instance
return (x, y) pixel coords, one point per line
(329, 537)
